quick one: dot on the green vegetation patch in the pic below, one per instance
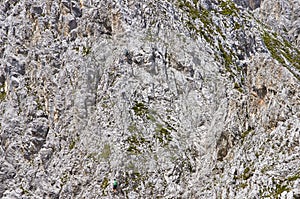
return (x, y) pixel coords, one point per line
(246, 133)
(72, 144)
(281, 51)
(92, 156)
(140, 109)
(40, 104)
(151, 118)
(2, 93)
(24, 191)
(86, 50)
(237, 26)
(134, 180)
(280, 186)
(280, 189)
(132, 128)
(238, 87)
(104, 185)
(227, 57)
(273, 46)
(106, 151)
(64, 179)
(247, 174)
(208, 29)
(135, 143)
(243, 185)
(163, 134)
(228, 8)
(294, 177)
(266, 168)
(203, 15)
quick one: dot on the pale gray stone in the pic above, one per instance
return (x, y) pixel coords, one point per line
(172, 100)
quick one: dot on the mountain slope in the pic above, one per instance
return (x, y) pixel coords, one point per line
(174, 99)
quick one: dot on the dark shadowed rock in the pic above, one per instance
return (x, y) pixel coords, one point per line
(40, 127)
(2, 79)
(72, 24)
(77, 12)
(37, 10)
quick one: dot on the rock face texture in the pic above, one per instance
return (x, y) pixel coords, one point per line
(282, 15)
(251, 4)
(285, 17)
(173, 99)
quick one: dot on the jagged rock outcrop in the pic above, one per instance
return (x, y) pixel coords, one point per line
(282, 15)
(285, 17)
(174, 99)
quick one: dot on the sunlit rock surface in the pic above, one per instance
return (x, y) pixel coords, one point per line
(173, 99)
(282, 15)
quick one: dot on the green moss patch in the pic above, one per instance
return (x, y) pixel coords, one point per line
(92, 156)
(243, 185)
(2, 95)
(279, 186)
(64, 179)
(207, 29)
(24, 191)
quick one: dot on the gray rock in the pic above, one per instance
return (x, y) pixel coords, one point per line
(2, 79)
(252, 4)
(72, 24)
(37, 10)
(77, 12)
(7, 171)
(160, 95)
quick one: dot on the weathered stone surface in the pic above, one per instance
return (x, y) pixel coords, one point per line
(286, 17)
(160, 95)
(252, 4)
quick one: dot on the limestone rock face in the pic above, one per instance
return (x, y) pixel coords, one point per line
(173, 99)
(285, 17)
(282, 15)
(252, 4)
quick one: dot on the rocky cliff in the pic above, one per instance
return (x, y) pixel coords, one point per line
(173, 99)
